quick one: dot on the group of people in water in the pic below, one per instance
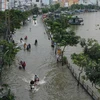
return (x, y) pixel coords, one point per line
(34, 82)
(22, 65)
(28, 46)
(21, 39)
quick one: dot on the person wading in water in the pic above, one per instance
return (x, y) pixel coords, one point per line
(36, 42)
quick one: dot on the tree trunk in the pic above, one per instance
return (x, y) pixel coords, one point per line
(79, 76)
(63, 55)
(23, 22)
(92, 84)
(62, 58)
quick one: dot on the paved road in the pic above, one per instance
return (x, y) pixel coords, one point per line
(56, 82)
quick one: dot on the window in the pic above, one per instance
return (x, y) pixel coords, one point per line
(37, 0)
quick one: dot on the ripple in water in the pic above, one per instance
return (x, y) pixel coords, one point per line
(25, 80)
(42, 81)
(37, 87)
(28, 81)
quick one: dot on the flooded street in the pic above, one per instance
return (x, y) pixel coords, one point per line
(90, 29)
(56, 82)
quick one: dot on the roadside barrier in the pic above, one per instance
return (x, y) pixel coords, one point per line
(83, 84)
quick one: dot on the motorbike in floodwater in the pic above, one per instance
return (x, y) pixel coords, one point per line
(33, 84)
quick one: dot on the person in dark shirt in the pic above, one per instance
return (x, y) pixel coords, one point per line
(32, 84)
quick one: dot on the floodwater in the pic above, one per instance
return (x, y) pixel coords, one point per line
(90, 29)
(56, 82)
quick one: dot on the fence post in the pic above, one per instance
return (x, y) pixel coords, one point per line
(92, 93)
(73, 71)
(87, 87)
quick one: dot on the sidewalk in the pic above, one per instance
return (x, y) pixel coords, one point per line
(87, 85)
(75, 68)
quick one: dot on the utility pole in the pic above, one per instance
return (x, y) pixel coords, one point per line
(31, 4)
(7, 22)
(97, 3)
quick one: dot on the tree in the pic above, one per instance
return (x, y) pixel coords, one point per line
(35, 10)
(56, 6)
(89, 60)
(93, 72)
(62, 37)
(2, 28)
(6, 93)
(16, 17)
(45, 10)
(52, 8)
(24, 16)
(81, 61)
(92, 49)
(81, 6)
(9, 52)
(15, 20)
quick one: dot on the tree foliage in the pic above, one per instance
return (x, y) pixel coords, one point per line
(81, 6)
(45, 10)
(89, 60)
(9, 52)
(6, 93)
(35, 10)
(92, 49)
(16, 17)
(63, 38)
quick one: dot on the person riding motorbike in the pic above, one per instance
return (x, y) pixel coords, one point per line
(32, 84)
(36, 78)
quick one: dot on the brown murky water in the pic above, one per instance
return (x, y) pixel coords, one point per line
(56, 82)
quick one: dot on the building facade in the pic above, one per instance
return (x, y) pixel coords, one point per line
(37, 2)
(65, 3)
(86, 2)
(3, 5)
(71, 2)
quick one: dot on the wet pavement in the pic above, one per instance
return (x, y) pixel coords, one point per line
(56, 82)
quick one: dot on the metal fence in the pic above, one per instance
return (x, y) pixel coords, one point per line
(83, 84)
